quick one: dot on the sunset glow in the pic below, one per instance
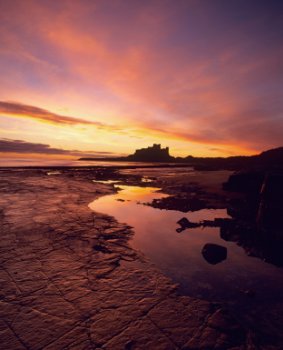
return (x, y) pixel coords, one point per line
(103, 78)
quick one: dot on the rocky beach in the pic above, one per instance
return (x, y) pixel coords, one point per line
(70, 278)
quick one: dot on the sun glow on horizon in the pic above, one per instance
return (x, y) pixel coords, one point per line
(117, 76)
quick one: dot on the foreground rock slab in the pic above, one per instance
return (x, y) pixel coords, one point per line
(69, 279)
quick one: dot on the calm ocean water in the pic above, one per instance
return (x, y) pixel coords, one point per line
(179, 256)
(27, 162)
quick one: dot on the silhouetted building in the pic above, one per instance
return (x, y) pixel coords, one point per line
(151, 154)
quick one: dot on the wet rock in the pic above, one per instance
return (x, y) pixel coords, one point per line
(245, 181)
(66, 284)
(185, 223)
(257, 214)
(218, 222)
(180, 203)
(214, 253)
(270, 210)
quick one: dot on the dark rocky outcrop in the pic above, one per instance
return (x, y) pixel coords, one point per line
(270, 209)
(184, 204)
(245, 182)
(185, 223)
(257, 214)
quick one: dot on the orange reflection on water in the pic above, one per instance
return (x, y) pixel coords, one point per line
(139, 194)
(178, 255)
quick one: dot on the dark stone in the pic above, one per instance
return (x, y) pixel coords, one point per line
(257, 214)
(214, 253)
(270, 210)
(245, 182)
(185, 223)
(179, 203)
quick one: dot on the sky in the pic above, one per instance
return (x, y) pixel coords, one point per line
(105, 77)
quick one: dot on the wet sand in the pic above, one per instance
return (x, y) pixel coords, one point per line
(70, 279)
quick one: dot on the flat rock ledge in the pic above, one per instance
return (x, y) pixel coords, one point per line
(69, 279)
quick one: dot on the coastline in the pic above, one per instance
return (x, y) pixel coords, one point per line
(72, 280)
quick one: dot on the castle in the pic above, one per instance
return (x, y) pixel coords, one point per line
(151, 154)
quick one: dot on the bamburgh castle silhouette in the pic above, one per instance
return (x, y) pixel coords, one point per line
(151, 154)
(271, 159)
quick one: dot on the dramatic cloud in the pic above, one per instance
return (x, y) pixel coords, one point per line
(19, 109)
(207, 74)
(19, 146)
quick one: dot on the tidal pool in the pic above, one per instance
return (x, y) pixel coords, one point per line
(178, 255)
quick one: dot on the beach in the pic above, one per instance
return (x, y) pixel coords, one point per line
(70, 279)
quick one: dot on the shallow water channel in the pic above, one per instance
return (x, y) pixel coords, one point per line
(178, 255)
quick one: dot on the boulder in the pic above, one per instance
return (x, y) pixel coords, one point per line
(214, 253)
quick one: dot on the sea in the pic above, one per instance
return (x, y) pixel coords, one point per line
(38, 162)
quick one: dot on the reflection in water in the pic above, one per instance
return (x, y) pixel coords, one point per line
(146, 179)
(179, 256)
(155, 172)
(22, 162)
(107, 182)
(49, 173)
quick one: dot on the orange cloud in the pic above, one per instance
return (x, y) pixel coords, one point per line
(40, 114)
(185, 84)
(21, 147)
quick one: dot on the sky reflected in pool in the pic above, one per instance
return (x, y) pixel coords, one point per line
(178, 255)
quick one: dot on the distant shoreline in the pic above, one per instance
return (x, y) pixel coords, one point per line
(134, 166)
(265, 161)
